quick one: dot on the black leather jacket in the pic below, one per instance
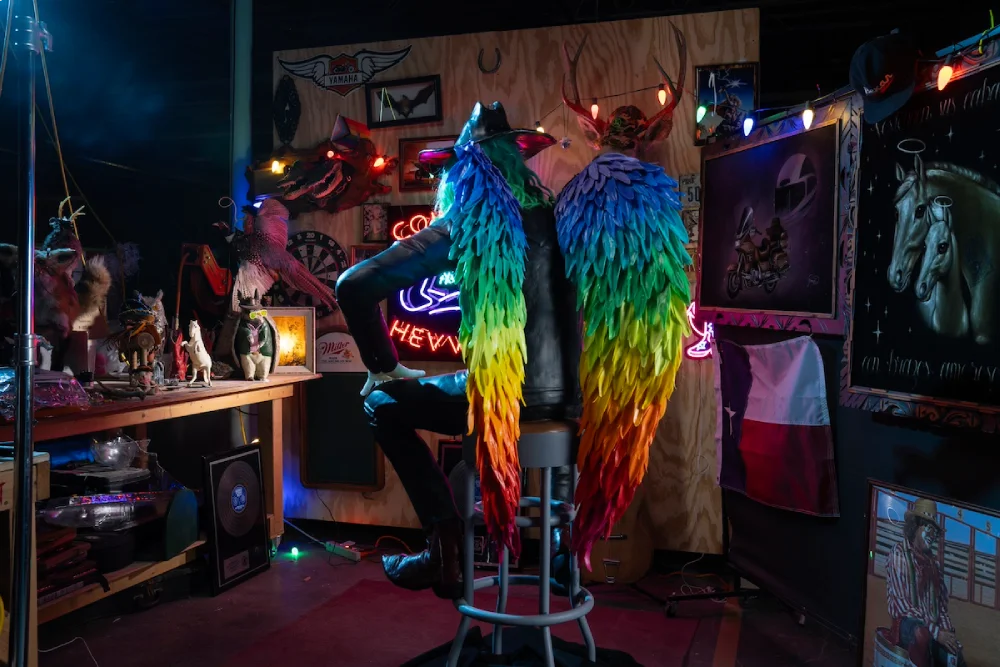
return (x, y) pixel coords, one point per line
(552, 331)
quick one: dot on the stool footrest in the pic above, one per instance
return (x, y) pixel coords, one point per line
(535, 621)
(562, 513)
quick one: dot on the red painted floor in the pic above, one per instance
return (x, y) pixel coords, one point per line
(317, 610)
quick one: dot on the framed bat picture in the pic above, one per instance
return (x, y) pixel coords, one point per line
(404, 102)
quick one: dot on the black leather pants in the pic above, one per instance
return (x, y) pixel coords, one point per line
(400, 408)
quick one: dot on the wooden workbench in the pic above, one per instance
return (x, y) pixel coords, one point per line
(169, 404)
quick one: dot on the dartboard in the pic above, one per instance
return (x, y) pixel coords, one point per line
(324, 258)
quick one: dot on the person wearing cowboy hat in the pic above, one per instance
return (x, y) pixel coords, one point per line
(917, 593)
(400, 401)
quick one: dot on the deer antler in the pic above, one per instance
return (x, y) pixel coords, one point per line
(593, 128)
(62, 206)
(75, 214)
(662, 123)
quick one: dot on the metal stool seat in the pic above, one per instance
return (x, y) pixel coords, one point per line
(544, 445)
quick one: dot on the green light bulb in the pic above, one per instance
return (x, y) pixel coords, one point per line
(702, 110)
(295, 552)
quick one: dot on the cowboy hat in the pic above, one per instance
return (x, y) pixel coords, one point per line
(487, 123)
(925, 510)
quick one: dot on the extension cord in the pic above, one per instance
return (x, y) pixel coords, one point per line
(346, 550)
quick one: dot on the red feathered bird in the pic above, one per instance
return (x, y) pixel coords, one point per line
(264, 259)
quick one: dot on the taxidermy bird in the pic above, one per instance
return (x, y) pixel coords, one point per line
(264, 259)
(404, 106)
(344, 172)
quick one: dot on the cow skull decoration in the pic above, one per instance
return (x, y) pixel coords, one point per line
(627, 130)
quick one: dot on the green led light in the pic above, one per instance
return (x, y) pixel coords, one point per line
(295, 552)
(702, 110)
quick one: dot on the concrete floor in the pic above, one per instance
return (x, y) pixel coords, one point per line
(185, 626)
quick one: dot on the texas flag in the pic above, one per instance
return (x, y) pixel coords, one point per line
(773, 435)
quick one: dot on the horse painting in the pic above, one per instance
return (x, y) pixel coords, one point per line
(975, 215)
(939, 281)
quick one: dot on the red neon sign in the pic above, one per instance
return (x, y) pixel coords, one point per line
(420, 338)
(407, 228)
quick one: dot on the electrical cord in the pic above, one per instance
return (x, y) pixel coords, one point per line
(64, 645)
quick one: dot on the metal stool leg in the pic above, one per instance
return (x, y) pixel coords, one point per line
(468, 512)
(501, 600)
(574, 589)
(545, 562)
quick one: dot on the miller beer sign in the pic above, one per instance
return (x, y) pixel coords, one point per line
(343, 74)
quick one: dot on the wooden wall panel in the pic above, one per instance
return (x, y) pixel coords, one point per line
(683, 503)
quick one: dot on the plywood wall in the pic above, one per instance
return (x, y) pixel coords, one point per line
(619, 57)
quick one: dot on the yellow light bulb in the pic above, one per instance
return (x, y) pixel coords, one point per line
(276, 167)
(594, 109)
(661, 95)
(944, 76)
(379, 161)
(807, 117)
(539, 128)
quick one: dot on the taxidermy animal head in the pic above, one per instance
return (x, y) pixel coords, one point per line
(56, 301)
(627, 130)
(155, 304)
(63, 234)
(343, 173)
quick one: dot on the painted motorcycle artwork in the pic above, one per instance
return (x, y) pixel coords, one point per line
(768, 226)
(927, 300)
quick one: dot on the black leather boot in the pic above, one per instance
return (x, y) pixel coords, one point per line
(438, 566)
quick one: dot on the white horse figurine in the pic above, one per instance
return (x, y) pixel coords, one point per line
(939, 281)
(201, 360)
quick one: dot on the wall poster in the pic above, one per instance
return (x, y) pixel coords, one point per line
(926, 319)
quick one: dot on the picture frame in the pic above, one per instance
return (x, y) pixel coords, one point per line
(375, 222)
(296, 328)
(404, 101)
(897, 360)
(729, 93)
(361, 252)
(413, 177)
(964, 557)
(814, 220)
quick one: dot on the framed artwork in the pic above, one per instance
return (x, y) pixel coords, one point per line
(296, 340)
(404, 102)
(412, 176)
(769, 237)
(929, 561)
(728, 94)
(375, 220)
(925, 325)
(360, 253)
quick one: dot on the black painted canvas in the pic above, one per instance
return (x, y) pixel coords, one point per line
(927, 272)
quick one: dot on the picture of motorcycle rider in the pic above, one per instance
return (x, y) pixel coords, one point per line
(773, 248)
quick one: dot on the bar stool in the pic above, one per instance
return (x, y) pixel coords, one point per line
(544, 445)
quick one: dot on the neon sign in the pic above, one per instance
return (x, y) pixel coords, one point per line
(404, 229)
(420, 338)
(706, 334)
(429, 298)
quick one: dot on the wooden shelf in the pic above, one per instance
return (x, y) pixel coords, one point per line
(123, 579)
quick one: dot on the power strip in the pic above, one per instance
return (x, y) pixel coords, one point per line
(346, 550)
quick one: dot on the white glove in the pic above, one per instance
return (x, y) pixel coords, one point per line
(400, 372)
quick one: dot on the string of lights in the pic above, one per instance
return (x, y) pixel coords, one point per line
(949, 59)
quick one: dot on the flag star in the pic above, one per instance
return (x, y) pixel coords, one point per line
(730, 412)
(878, 332)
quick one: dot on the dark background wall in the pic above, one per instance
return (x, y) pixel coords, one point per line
(142, 95)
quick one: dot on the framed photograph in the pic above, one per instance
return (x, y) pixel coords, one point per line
(728, 94)
(768, 237)
(296, 340)
(404, 101)
(926, 315)
(375, 220)
(360, 253)
(412, 176)
(930, 586)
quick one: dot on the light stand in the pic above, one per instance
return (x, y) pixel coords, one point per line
(29, 38)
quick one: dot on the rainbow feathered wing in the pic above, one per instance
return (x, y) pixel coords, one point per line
(489, 247)
(623, 240)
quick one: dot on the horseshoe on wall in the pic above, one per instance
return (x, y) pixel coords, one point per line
(482, 68)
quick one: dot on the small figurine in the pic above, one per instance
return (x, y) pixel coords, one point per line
(180, 357)
(201, 360)
(155, 304)
(255, 340)
(137, 340)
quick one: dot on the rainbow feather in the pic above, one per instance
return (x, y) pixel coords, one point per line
(623, 240)
(489, 248)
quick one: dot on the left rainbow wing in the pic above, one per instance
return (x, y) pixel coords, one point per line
(623, 240)
(489, 247)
